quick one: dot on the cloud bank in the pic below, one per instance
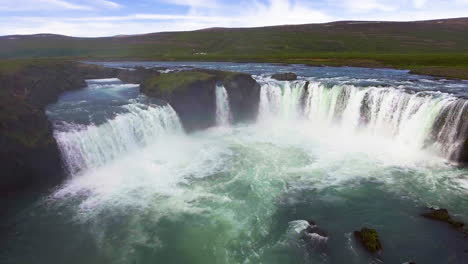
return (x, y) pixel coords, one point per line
(91, 18)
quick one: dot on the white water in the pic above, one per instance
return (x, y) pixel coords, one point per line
(223, 110)
(280, 100)
(223, 189)
(407, 118)
(89, 147)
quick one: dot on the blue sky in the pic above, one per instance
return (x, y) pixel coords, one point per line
(90, 18)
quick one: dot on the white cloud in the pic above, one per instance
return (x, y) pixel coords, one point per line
(194, 3)
(107, 3)
(368, 5)
(280, 12)
(25, 5)
(275, 12)
(29, 5)
(419, 3)
(245, 14)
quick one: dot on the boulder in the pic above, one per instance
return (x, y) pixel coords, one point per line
(287, 76)
(313, 229)
(314, 237)
(369, 238)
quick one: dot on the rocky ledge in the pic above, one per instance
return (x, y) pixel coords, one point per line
(192, 94)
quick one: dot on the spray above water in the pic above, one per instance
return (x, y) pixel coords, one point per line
(230, 191)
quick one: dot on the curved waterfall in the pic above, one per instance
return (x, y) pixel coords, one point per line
(87, 147)
(419, 119)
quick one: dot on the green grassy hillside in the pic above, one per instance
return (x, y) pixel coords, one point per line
(439, 47)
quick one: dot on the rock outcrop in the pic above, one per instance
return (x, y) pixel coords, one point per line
(29, 156)
(315, 238)
(369, 239)
(287, 76)
(192, 94)
(138, 75)
(443, 215)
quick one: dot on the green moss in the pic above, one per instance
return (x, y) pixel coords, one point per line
(168, 83)
(438, 214)
(443, 216)
(369, 238)
(12, 66)
(228, 76)
(449, 72)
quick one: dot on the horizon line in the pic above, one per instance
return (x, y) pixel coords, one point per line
(208, 28)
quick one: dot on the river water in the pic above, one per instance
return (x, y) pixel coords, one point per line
(141, 190)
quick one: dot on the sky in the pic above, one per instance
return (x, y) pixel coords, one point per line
(92, 18)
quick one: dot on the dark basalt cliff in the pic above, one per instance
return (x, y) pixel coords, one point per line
(192, 94)
(29, 156)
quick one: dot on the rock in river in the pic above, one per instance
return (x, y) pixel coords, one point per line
(287, 76)
(369, 239)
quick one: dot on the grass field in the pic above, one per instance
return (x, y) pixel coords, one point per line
(438, 47)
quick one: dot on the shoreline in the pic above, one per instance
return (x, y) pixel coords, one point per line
(440, 72)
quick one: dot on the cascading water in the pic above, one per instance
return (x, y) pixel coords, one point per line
(280, 99)
(88, 147)
(144, 194)
(417, 119)
(223, 110)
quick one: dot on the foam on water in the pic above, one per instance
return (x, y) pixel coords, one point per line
(144, 186)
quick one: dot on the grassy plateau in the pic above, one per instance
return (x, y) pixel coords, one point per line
(437, 47)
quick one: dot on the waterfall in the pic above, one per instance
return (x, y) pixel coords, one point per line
(281, 99)
(223, 111)
(417, 119)
(87, 147)
(450, 129)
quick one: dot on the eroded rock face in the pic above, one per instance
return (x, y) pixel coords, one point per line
(288, 76)
(244, 96)
(192, 94)
(463, 155)
(369, 238)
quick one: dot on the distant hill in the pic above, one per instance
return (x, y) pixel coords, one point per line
(359, 43)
